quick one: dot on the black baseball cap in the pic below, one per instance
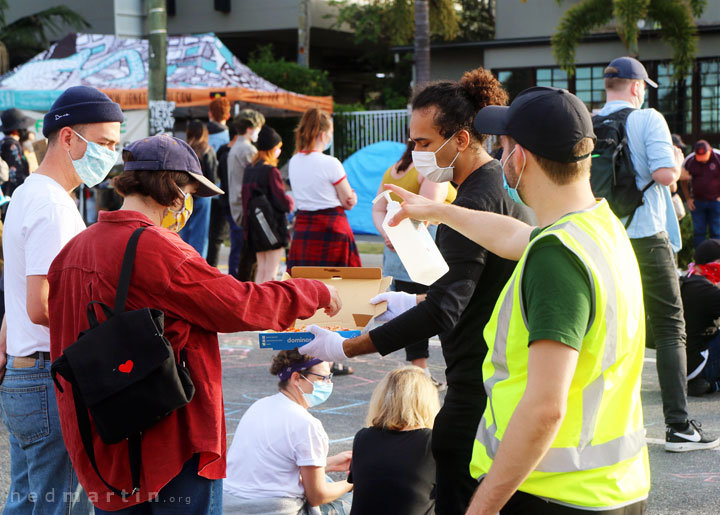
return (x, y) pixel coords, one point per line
(549, 122)
(629, 68)
(701, 147)
(167, 153)
(707, 252)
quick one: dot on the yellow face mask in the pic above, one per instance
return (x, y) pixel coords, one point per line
(176, 220)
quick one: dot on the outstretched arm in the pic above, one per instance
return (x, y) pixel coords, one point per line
(532, 427)
(502, 235)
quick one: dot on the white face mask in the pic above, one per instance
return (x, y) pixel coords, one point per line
(426, 164)
(255, 135)
(278, 151)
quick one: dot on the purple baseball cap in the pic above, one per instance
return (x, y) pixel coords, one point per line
(167, 153)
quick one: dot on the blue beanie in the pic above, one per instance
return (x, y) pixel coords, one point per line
(81, 104)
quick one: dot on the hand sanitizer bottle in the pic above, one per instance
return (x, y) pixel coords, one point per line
(414, 245)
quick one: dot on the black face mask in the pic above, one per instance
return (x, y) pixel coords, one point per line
(23, 133)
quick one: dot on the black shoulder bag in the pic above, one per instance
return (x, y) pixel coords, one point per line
(123, 371)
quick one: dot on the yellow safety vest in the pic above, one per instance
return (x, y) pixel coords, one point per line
(598, 458)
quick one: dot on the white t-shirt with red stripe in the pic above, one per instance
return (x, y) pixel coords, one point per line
(313, 177)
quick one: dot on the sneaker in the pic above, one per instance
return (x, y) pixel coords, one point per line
(689, 439)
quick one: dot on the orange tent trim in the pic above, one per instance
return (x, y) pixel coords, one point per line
(185, 97)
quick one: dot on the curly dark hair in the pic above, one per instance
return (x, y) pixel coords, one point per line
(284, 359)
(458, 102)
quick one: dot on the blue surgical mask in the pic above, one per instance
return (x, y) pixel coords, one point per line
(95, 164)
(513, 192)
(329, 144)
(321, 392)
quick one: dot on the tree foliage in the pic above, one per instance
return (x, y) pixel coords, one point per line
(289, 75)
(391, 22)
(674, 20)
(476, 20)
(29, 35)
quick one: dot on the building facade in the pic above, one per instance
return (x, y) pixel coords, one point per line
(521, 57)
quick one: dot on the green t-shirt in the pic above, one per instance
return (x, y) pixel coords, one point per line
(557, 293)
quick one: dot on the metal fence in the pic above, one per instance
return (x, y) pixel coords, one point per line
(358, 129)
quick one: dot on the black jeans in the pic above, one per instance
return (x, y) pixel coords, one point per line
(419, 349)
(665, 322)
(453, 438)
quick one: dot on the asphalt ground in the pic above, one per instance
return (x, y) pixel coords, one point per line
(684, 483)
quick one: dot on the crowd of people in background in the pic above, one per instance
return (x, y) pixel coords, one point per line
(543, 316)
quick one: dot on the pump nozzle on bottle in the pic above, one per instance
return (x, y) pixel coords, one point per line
(414, 245)
(385, 194)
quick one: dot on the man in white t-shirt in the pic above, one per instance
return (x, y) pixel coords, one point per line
(83, 128)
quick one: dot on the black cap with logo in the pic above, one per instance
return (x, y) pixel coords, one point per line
(548, 122)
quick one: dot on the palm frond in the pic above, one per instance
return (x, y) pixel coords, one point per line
(32, 30)
(697, 7)
(628, 13)
(578, 21)
(3, 10)
(679, 30)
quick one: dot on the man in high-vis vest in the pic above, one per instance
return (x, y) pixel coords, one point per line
(562, 431)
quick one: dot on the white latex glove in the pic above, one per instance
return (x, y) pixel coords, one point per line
(327, 345)
(398, 303)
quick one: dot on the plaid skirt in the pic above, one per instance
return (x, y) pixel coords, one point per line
(323, 238)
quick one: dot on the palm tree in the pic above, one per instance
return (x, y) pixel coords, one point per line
(28, 35)
(422, 42)
(673, 18)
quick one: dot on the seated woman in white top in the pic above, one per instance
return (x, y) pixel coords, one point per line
(278, 458)
(322, 195)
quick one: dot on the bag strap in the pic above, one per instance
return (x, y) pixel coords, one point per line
(632, 215)
(134, 449)
(126, 271)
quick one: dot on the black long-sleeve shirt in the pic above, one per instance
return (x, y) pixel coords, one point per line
(701, 307)
(459, 304)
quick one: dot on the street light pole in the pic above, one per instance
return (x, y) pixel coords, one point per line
(304, 33)
(157, 76)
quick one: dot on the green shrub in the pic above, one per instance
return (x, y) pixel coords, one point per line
(289, 75)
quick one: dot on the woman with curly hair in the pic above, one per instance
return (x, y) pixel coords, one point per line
(459, 304)
(278, 459)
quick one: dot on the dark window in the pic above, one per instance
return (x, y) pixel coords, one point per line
(553, 77)
(709, 96)
(590, 86)
(515, 81)
(674, 99)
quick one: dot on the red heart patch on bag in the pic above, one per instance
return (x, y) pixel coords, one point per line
(126, 367)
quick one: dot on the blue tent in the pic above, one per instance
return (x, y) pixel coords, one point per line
(365, 169)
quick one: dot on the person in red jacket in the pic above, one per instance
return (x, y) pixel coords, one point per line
(184, 454)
